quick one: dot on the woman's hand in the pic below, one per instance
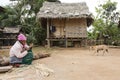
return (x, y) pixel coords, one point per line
(30, 47)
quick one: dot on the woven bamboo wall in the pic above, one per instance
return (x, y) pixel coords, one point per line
(76, 28)
(60, 25)
(71, 28)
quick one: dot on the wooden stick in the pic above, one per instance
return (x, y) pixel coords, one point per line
(5, 68)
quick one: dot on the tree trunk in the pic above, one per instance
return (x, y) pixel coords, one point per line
(5, 61)
(5, 68)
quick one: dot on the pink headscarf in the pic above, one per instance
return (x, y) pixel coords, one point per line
(21, 37)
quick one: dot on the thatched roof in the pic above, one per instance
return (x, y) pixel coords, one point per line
(1, 30)
(2, 9)
(11, 30)
(63, 10)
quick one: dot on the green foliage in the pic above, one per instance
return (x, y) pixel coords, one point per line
(10, 17)
(40, 35)
(35, 32)
(106, 22)
(52, 0)
(24, 14)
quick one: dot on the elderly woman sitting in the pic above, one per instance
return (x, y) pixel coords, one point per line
(19, 51)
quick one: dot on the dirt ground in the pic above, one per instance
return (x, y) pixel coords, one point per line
(81, 64)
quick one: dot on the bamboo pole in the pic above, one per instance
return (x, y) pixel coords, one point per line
(48, 33)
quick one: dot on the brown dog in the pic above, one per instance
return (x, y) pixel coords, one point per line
(98, 48)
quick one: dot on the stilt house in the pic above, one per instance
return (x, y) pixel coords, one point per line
(8, 35)
(65, 22)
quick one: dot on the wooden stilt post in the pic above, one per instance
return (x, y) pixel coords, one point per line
(48, 34)
(66, 42)
(85, 42)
